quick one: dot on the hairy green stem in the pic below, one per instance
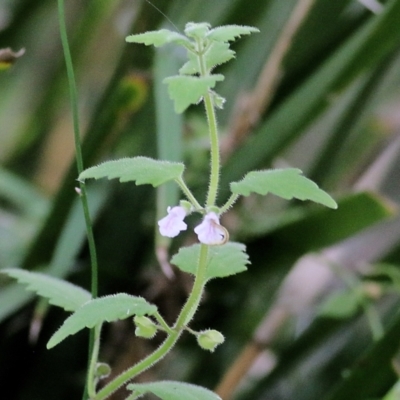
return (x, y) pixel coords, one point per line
(91, 384)
(79, 162)
(188, 193)
(183, 319)
(162, 323)
(215, 157)
(213, 133)
(194, 298)
(231, 201)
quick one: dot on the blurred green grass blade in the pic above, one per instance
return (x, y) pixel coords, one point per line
(321, 227)
(373, 372)
(104, 121)
(253, 51)
(87, 24)
(169, 127)
(183, 11)
(331, 169)
(22, 194)
(288, 121)
(394, 392)
(70, 240)
(73, 234)
(12, 298)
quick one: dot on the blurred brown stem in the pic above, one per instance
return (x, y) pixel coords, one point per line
(250, 106)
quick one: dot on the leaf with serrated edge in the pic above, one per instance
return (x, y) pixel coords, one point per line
(159, 38)
(142, 170)
(218, 53)
(228, 33)
(228, 259)
(58, 292)
(187, 90)
(170, 390)
(286, 183)
(96, 311)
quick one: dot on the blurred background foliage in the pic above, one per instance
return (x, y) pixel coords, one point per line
(317, 315)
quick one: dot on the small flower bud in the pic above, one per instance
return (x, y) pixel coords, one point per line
(102, 370)
(186, 205)
(145, 327)
(210, 339)
(197, 30)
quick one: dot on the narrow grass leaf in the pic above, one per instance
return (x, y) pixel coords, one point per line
(170, 390)
(142, 170)
(58, 292)
(341, 305)
(187, 90)
(107, 308)
(286, 183)
(230, 32)
(228, 259)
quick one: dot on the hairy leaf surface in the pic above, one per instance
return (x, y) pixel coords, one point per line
(187, 90)
(58, 292)
(228, 259)
(286, 183)
(96, 311)
(217, 54)
(159, 38)
(228, 33)
(170, 390)
(142, 170)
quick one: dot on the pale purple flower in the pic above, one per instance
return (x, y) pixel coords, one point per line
(172, 224)
(210, 231)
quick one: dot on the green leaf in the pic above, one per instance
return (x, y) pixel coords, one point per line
(59, 292)
(341, 305)
(286, 183)
(140, 169)
(96, 311)
(159, 38)
(228, 33)
(228, 259)
(170, 390)
(187, 90)
(218, 53)
(197, 30)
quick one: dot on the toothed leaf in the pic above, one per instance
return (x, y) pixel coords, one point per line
(187, 90)
(228, 33)
(159, 38)
(170, 390)
(228, 259)
(286, 183)
(96, 311)
(142, 170)
(217, 54)
(58, 292)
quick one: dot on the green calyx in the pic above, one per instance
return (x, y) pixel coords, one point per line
(145, 327)
(210, 339)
